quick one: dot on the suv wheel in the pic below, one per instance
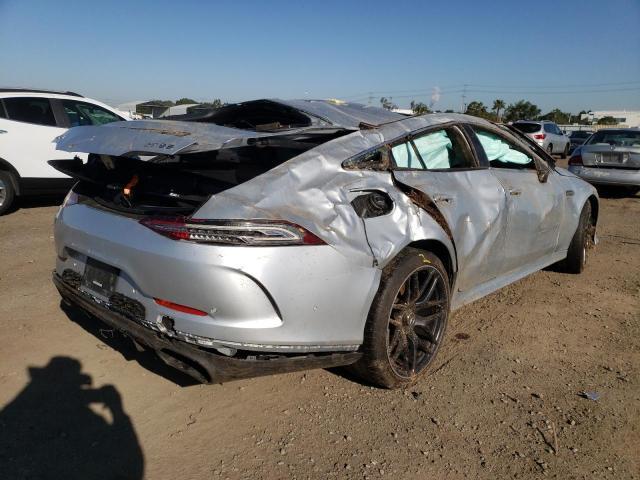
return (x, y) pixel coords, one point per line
(565, 152)
(550, 149)
(407, 320)
(7, 192)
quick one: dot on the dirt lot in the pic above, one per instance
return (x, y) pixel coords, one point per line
(77, 403)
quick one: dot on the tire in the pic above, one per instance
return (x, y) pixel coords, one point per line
(565, 152)
(7, 192)
(399, 347)
(580, 243)
(550, 149)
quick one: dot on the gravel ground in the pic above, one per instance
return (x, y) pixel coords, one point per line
(502, 400)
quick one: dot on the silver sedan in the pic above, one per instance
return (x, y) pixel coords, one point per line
(274, 236)
(609, 157)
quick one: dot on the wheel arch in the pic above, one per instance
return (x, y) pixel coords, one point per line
(15, 176)
(441, 251)
(595, 207)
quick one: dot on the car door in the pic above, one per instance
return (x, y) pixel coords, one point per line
(29, 129)
(534, 208)
(440, 162)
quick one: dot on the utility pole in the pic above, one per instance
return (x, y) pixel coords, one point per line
(464, 98)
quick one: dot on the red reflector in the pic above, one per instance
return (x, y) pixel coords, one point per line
(179, 308)
(540, 136)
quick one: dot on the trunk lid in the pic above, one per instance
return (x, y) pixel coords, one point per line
(610, 156)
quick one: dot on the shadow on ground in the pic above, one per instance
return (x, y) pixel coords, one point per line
(616, 192)
(115, 340)
(60, 427)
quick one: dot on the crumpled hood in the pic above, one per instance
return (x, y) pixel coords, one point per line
(159, 137)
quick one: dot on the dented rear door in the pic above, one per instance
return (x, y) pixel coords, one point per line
(471, 199)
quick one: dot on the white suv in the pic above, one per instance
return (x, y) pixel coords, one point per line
(30, 120)
(546, 134)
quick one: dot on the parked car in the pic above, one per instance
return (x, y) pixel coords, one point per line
(307, 234)
(30, 120)
(610, 157)
(546, 134)
(577, 138)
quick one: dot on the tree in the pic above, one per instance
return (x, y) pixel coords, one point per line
(185, 101)
(387, 104)
(608, 120)
(419, 108)
(478, 109)
(498, 105)
(557, 116)
(521, 110)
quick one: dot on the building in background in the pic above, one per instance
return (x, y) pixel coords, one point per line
(625, 118)
(154, 111)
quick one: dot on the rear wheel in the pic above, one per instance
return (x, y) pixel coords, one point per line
(565, 152)
(550, 149)
(7, 192)
(580, 243)
(407, 320)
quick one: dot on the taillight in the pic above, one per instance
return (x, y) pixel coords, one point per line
(540, 136)
(179, 308)
(253, 233)
(576, 159)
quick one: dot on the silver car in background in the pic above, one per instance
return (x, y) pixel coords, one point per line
(274, 236)
(609, 157)
(547, 135)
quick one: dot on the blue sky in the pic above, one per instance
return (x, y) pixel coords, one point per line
(567, 54)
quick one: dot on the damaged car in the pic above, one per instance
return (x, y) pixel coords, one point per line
(278, 236)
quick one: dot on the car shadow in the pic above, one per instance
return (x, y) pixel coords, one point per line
(115, 340)
(39, 201)
(59, 426)
(615, 192)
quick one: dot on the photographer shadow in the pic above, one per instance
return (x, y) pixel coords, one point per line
(58, 426)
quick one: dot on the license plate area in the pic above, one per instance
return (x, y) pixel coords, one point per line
(612, 158)
(99, 279)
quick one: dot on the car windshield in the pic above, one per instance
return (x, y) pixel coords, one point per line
(618, 138)
(580, 134)
(527, 127)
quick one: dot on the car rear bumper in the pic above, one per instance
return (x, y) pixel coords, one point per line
(270, 299)
(607, 176)
(205, 365)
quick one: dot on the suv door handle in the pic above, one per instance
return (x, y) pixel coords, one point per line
(3, 131)
(515, 192)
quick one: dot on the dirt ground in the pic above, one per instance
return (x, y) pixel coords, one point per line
(77, 403)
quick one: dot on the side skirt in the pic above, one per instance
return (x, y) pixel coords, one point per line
(464, 298)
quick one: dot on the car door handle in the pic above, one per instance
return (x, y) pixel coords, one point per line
(515, 192)
(3, 131)
(442, 199)
(569, 193)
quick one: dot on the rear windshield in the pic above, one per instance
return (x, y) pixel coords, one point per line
(619, 138)
(527, 127)
(580, 134)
